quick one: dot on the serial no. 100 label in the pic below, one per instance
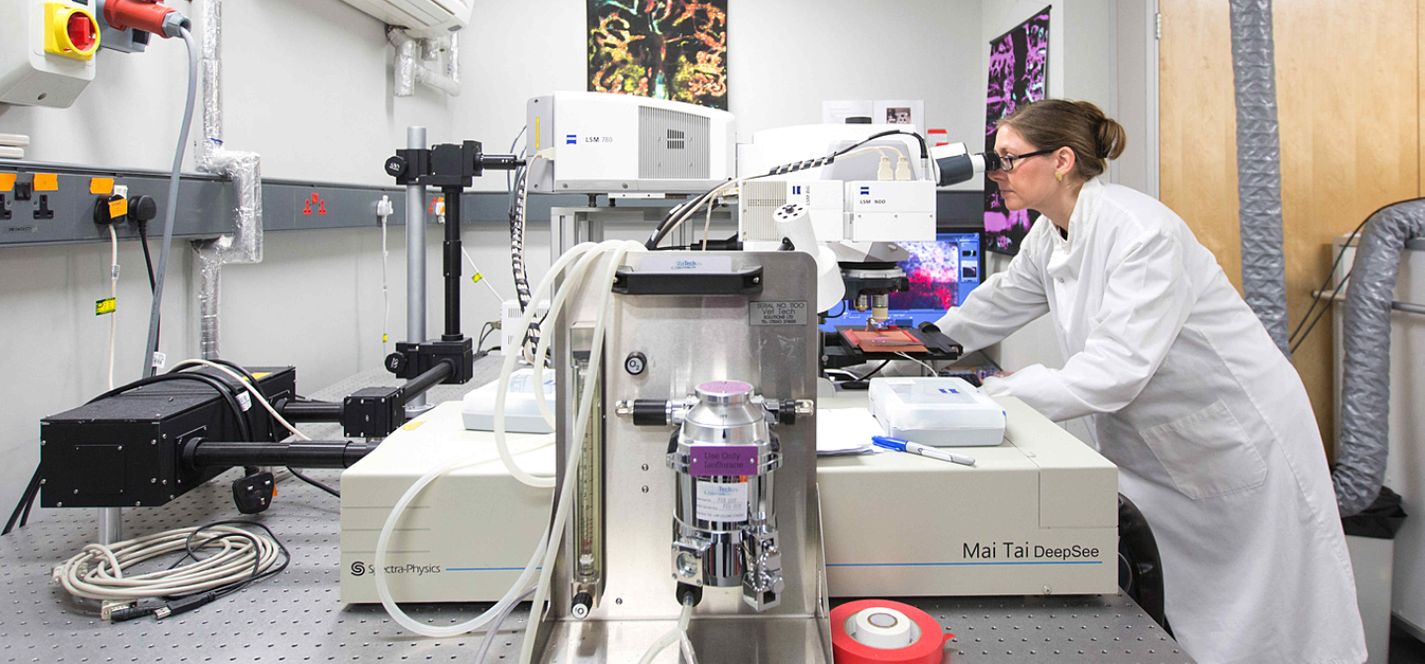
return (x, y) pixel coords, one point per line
(777, 313)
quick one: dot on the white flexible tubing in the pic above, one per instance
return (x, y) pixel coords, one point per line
(113, 295)
(383, 540)
(576, 447)
(678, 634)
(493, 632)
(508, 367)
(576, 276)
(383, 589)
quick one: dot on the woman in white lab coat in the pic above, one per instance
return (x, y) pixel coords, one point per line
(1207, 421)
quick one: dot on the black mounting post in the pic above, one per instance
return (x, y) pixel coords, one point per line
(452, 264)
(452, 168)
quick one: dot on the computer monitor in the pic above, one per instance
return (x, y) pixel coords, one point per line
(942, 273)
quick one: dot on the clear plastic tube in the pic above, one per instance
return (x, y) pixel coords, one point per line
(586, 401)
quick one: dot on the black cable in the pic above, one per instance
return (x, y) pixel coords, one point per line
(839, 313)
(313, 482)
(252, 380)
(148, 261)
(485, 331)
(191, 552)
(211, 381)
(1296, 341)
(871, 372)
(147, 257)
(25, 518)
(27, 497)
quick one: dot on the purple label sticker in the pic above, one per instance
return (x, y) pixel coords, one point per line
(722, 460)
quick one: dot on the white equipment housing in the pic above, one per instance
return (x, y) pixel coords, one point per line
(942, 412)
(423, 18)
(29, 75)
(1038, 514)
(847, 200)
(521, 410)
(606, 143)
(467, 536)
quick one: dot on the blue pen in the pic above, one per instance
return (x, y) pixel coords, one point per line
(923, 450)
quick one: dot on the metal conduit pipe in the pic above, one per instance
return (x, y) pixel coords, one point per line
(243, 168)
(412, 55)
(1259, 166)
(1363, 445)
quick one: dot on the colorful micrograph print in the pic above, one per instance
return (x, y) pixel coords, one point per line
(1019, 74)
(666, 49)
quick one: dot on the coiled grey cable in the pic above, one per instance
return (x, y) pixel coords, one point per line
(98, 572)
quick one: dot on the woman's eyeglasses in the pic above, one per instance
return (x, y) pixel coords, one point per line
(1005, 162)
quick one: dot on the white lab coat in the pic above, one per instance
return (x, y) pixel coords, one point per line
(1207, 421)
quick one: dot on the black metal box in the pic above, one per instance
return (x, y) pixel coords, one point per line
(124, 450)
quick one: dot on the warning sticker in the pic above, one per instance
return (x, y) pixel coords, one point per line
(777, 313)
(722, 502)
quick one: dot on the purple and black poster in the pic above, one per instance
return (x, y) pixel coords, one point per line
(1019, 74)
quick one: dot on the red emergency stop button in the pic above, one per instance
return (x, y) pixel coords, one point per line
(70, 30)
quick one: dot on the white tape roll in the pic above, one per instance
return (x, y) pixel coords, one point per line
(882, 627)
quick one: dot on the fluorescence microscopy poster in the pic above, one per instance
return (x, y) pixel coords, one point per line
(1019, 74)
(666, 49)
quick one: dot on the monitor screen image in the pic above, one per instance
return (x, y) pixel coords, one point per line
(942, 273)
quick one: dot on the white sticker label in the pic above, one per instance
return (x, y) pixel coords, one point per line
(722, 502)
(244, 400)
(777, 313)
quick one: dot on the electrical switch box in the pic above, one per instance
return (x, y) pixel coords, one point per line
(47, 51)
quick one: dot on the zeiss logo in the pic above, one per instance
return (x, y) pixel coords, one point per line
(571, 139)
(949, 390)
(797, 190)
(865, 191)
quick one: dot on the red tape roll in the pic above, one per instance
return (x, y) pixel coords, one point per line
(928, 649)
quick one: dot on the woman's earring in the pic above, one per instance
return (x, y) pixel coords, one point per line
(1058, 176)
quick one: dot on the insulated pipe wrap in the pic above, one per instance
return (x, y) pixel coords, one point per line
(1363, 445)
(243, 168)
(1259, 166)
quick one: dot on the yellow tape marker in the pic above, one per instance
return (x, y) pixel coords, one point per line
(105, 306)
(385, 338)
(118, 208)
(101, 186)
(261, 374)
(475, 278)
(7, 182)
(413, 425)
(46, 182)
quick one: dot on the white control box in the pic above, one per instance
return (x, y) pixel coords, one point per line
(608, 143)
(890, 210)
(760, 200)
(521, 410)
(47, 51)
(1036, 515)
(942, 412)
(467, 536)
(510, 336)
